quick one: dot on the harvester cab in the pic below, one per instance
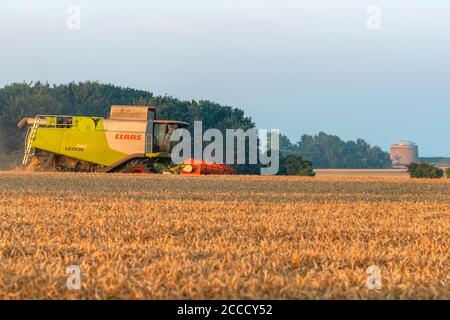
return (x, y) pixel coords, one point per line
(130, 140)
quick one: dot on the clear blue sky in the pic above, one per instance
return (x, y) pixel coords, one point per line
(299, 66)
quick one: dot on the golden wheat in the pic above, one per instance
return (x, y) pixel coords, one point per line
(171, 237)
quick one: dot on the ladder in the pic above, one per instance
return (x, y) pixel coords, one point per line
(31, 134)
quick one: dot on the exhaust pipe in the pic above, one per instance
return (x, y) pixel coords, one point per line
(29, 122)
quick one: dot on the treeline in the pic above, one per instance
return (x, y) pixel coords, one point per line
(330, 151)
(21, 100)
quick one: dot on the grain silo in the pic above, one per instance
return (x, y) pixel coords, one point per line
(404, 153)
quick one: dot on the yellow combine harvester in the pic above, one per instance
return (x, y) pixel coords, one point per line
(131, 140)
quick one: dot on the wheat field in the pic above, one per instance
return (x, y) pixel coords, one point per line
(222, 237)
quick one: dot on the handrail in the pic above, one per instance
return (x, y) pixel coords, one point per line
(47, 124)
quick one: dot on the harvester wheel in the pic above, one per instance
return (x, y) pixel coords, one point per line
(139, 166)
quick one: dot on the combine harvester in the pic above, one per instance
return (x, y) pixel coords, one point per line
(131, 140)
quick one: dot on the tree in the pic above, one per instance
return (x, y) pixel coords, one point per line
(293, 165)
(424, 170)
(329, 151)
(286, 146)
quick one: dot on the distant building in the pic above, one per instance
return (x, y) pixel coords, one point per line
(404, 153)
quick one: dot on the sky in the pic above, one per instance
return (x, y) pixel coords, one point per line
(377, 70)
